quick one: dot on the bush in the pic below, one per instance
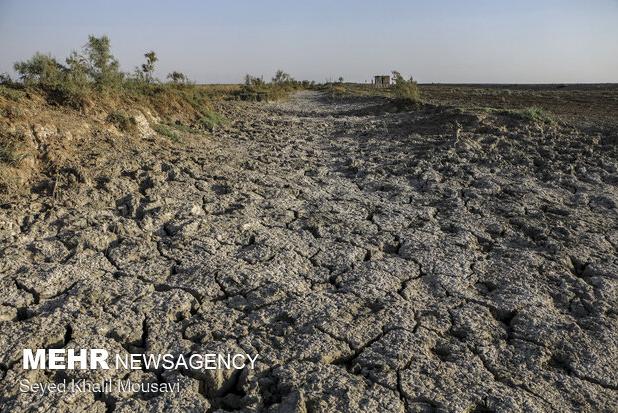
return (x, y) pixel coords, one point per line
(253, 80)
(93, 73)
(95, 66)
(405, 91)
(255, 89)
(61, 84)
(282, 78)
(533, 114)
(12, 92)
(211, 120)
(9, 147)
(9, 154)
(5, 79)
(69, 94)
(11, 112)
(122, 121)
(40, 69)
(166, 131)
(178, 78)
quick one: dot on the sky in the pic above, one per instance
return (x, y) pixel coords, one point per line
(446, 41)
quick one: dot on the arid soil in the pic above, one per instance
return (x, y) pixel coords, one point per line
(589, 107)
(430, 260)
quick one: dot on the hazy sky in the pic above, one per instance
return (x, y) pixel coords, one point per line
(435, 41)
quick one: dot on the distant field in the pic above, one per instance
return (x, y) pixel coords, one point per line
(219, 90)
(589, 106)
(592, 106)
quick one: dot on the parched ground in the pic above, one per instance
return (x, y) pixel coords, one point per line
(433, 260)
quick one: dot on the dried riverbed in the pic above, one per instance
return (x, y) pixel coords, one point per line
(431, 260)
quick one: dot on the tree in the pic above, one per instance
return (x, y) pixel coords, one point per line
(340, 79)
(282, 77)
(103, 67)
(41, 69)
(63, 85)
(177, 77)
(5, 79)
(253, 80)
(77, 70)
(149, 66)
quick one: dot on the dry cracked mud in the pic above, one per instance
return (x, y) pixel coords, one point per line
(432, 260)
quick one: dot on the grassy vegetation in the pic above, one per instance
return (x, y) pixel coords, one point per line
(11, 112)
(211, 120)
(405, 91)
(10, 153)
(122, 121)
(533, 114)
(92, 78)
(9, 91)
(166, 131)
(182, 128)
(281, 85)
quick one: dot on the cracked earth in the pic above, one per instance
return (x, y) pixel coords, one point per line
(433, 260)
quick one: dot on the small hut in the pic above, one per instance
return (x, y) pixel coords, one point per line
(382, 81)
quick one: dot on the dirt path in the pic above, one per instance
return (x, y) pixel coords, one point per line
(424, 261)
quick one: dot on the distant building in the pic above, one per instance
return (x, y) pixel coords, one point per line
(381, 80)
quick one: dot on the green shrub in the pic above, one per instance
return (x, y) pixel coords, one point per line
(70, 85)
(11, 112)
(94, 72)
(123, 121)
(9, 154)
(76, 72)
(182, 128)
(166, 131)
(253, 80)
(12, 92)
(68, 94)
(62, 85)
(533, 114)
(405, 91)
(211, 120)
(282, 78)
(9, 147)
(5, 79)
(178, 78)
(255, 89)
(40, 69)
